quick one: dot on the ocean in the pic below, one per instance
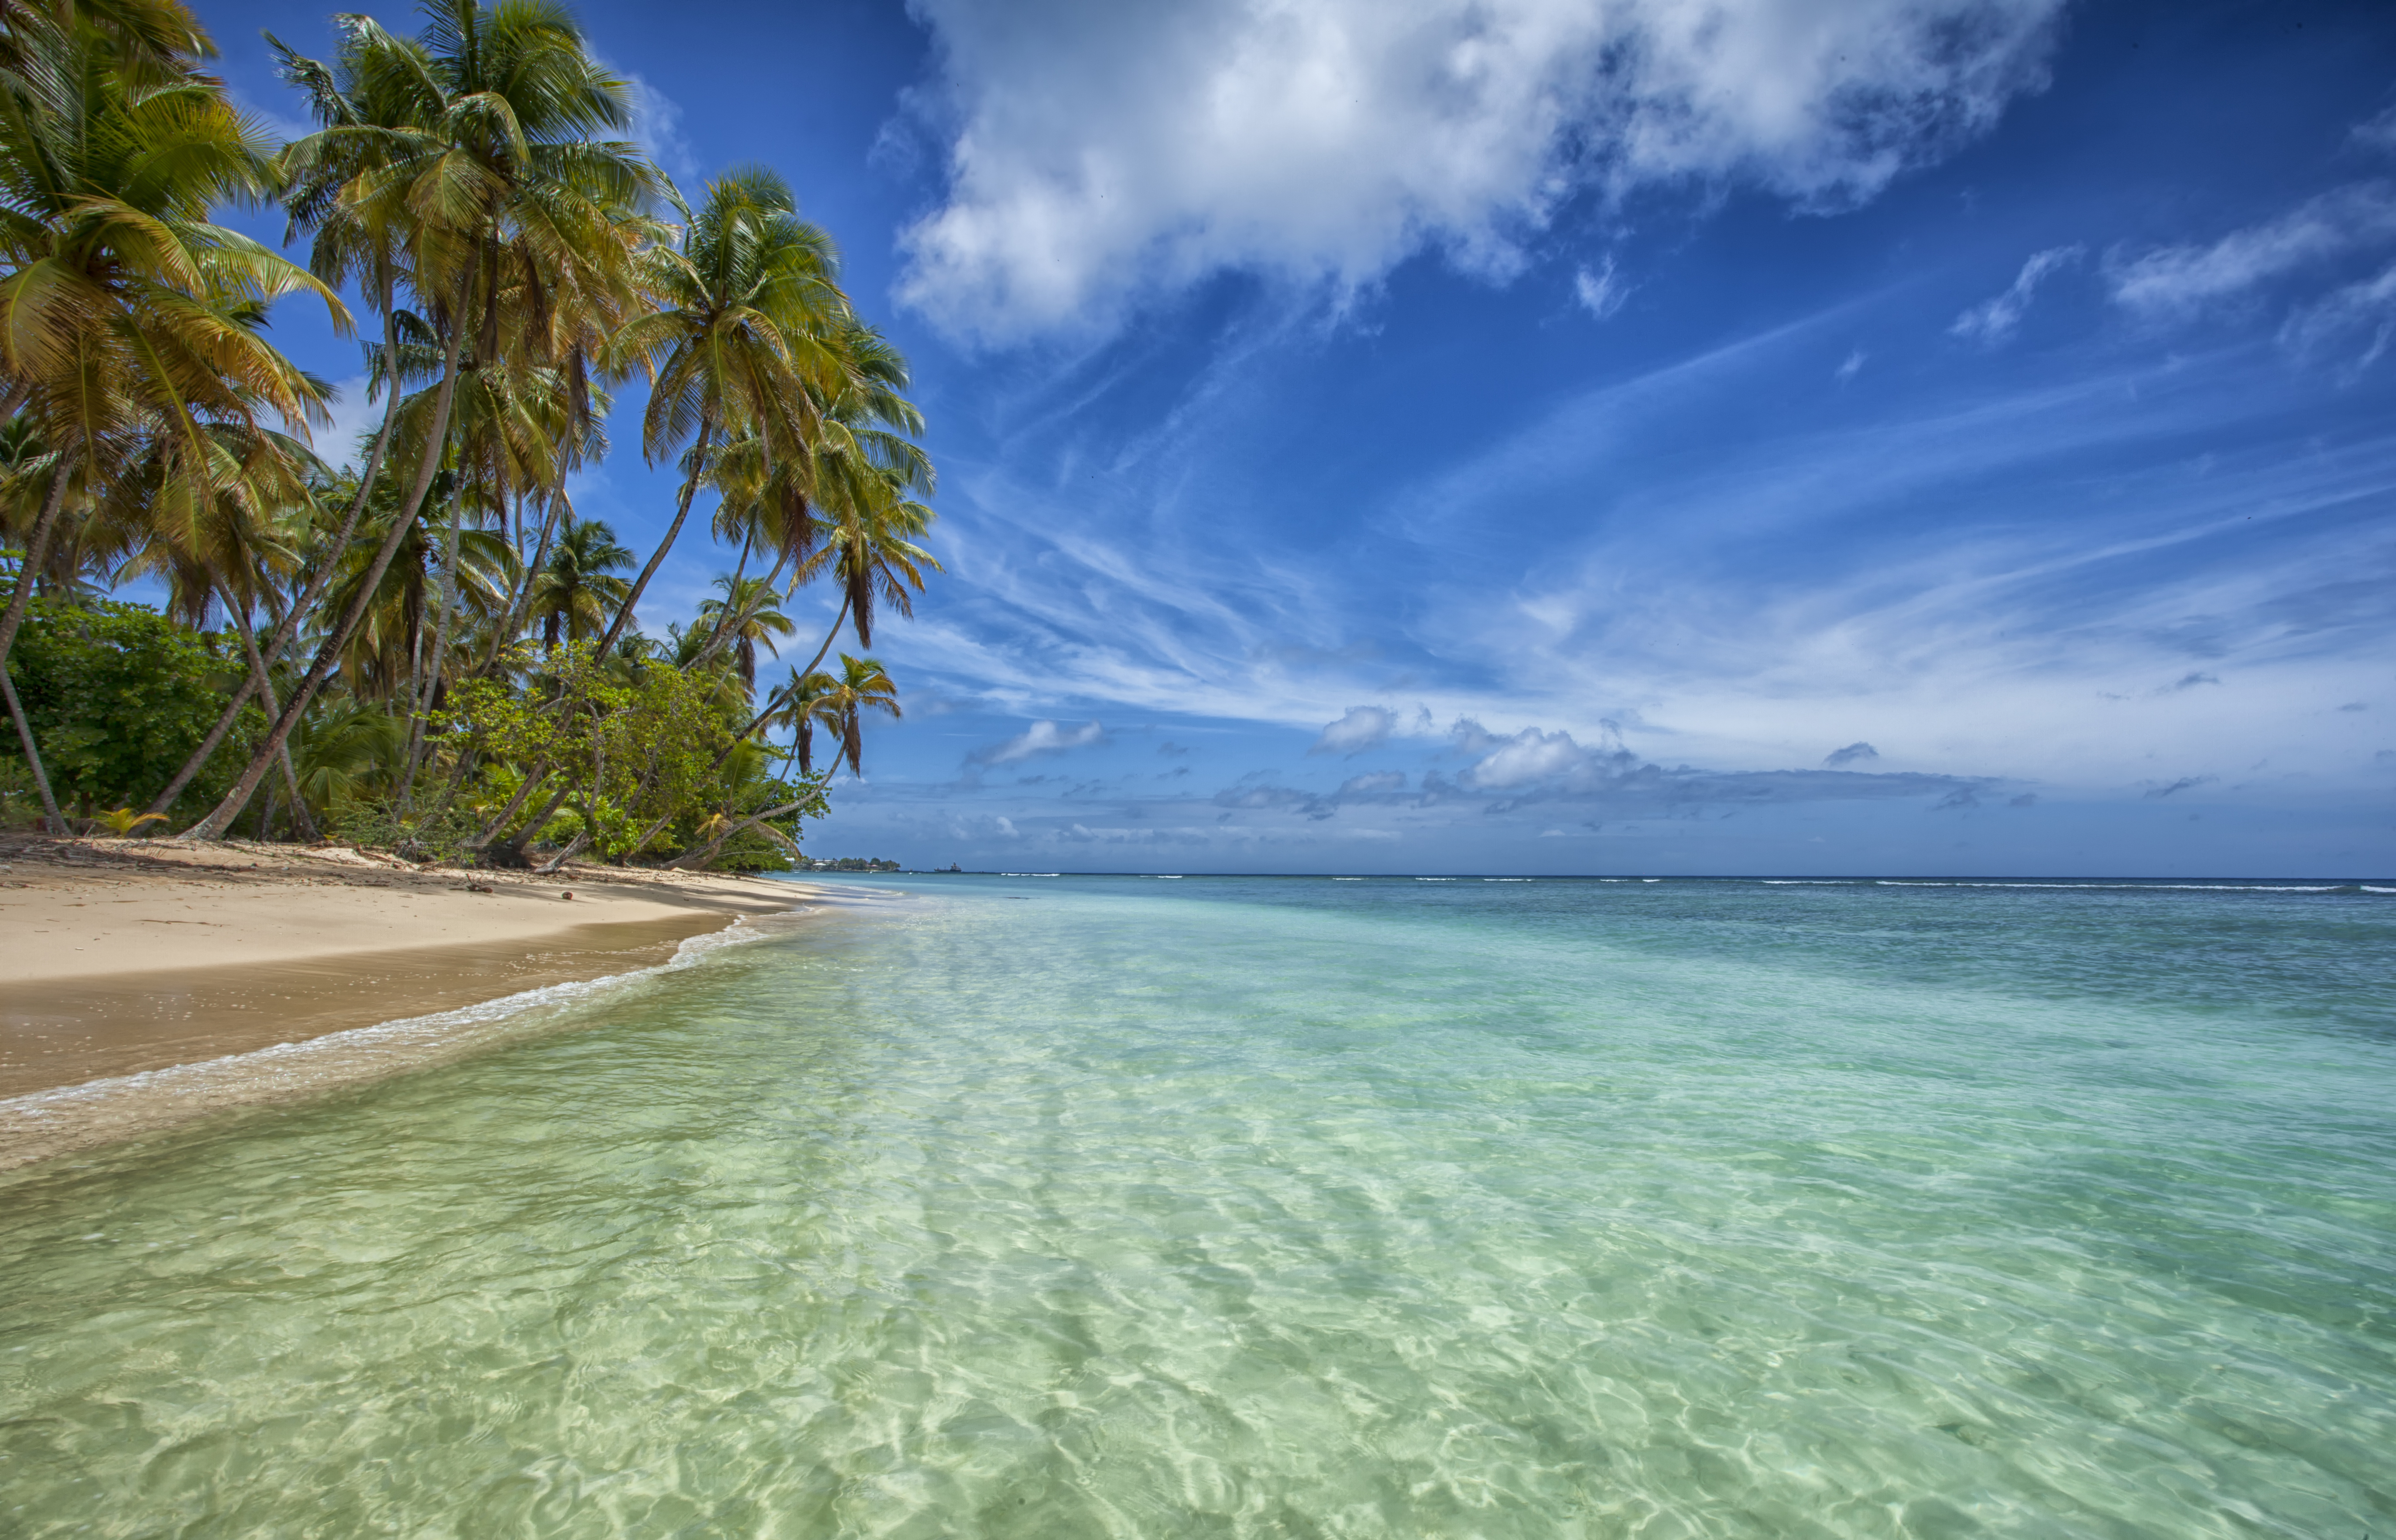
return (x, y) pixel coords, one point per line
(1066, 1207)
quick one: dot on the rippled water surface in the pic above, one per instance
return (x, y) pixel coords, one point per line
(1104, 1206)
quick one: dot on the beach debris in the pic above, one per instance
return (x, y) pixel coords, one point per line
(567, 894)
(479, 887)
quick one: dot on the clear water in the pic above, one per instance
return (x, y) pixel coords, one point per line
(1288, 1208)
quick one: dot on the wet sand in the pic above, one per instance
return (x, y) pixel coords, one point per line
(144, 984)
(55, 1033)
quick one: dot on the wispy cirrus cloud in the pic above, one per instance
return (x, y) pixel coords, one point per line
(1994, 320)
(2177, 280)
(1040, 738)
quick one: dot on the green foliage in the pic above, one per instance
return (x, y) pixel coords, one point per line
(118, 697)
(420, 834)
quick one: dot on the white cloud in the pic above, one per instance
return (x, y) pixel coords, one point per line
(2180, 279)
(2378, 133)
(1529, 756)
(1991, 321)
(1852, 366)
(657, 124)
(2365, 312)
(1100, 153)
(1600, 292)
(338, 444)
(1364, 727)
(1041, 738)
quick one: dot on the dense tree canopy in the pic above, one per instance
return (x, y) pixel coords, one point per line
(432, 648)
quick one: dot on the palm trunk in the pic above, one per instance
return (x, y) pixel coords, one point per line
(213, 826)
(305, 602)
(708, 852)
(656, 558)
(515, 805)
(522, 600)
(32, 756)
(573, 848)
(37, 547)
(838, 621)
(420, 718)
(540, 820)
(265, 687)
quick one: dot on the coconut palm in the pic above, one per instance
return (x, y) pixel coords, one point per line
(740, 345)
(576, 589)
(861, 686)
(486, 167)
(126, 317)
(746, 614)
(798, 706)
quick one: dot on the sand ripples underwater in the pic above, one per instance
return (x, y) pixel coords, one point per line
(1258, 1208)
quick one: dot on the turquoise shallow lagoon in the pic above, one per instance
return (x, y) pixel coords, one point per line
(1066, 1207)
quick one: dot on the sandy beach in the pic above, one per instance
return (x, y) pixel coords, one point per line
(130, 956)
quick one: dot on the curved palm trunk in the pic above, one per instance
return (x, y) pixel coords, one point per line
(708, 852)
(289, 627)
(301, 823)
(423, 705)
(32, 756)
(833, 635)
(520, 603)
(658, 557)
(37, 547)
(213, 826)
(539, 773)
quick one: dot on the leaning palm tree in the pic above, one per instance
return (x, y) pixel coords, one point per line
(576, 589)
(739, 343)
(864, 686)
(747, 614)
(799, 707)
(128, 320)
(486, 163)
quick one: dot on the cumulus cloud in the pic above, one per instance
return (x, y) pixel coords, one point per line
(1363, 727)
(1379, 783)
(1848, 755)
(1991, 321)
(1041, 738)
(1098, 153)
(2181, 279)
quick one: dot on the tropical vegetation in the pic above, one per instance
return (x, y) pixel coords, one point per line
(416, 639)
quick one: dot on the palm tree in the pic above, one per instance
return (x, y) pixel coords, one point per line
(575, 591)
(485, 167)
(799, 706)
(738, 344)
(126, 318)
(748, 614)
(862, 686)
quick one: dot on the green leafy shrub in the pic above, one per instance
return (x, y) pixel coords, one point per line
(118, 695)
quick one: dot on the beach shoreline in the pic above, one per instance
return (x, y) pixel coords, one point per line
(132, 959)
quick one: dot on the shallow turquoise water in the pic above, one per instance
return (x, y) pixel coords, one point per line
(1109, 1206)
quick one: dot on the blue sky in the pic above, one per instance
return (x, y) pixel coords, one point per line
(1903, 436)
